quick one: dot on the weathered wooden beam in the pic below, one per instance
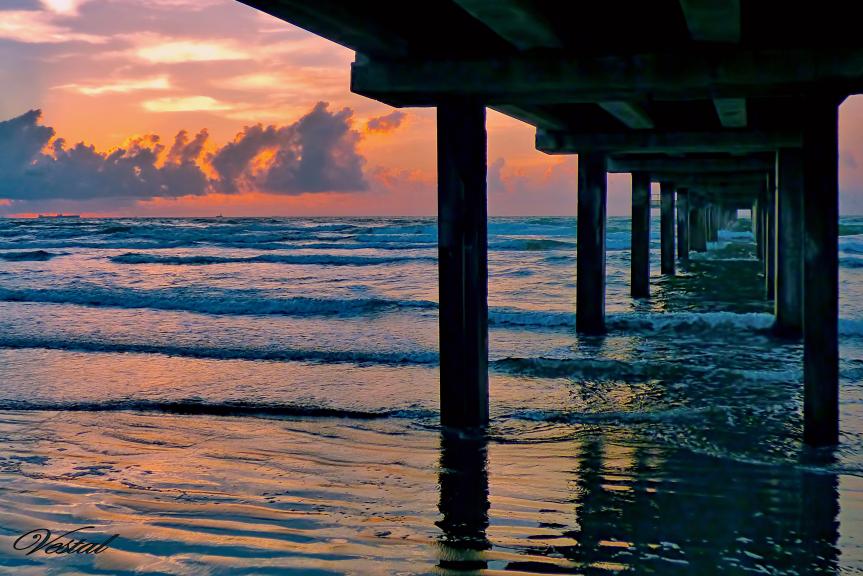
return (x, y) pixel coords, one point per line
(630, 114)
(518, 22)
(700, 73)
(731, 112)
(655, 141)
(687, 165)
(712, 20)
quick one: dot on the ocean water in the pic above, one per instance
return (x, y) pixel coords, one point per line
(260, 396)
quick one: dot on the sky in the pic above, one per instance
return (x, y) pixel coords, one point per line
(205, 107)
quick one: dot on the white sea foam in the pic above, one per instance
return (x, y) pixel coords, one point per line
(647, 322)
(223, 352)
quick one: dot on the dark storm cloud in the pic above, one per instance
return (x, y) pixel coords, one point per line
(385, 123)
(21, 140)
(80, 172)
(315, 154)
(318, 153)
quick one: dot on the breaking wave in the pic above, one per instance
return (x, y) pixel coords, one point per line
(31, 255)
(234, 302)
(319, 259)
(395, 358)
(224, 408)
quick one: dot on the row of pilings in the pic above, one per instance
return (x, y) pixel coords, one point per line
(795, 222)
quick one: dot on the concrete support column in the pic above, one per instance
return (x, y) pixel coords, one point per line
(821, 271)
(683, 224)
(666, 213)
(758, 228)
(697, 230)
(590, 257)
(706, 210)
(762, 230)
(640, 241)
(712, 223)
(789, 243)
(770, 239)
(754, 223)
(462, 263)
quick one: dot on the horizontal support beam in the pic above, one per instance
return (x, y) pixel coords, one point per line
(533, 115)
(652, 141)
(516, 21)
(630, 114)
(693, 181)
(684, 165)
(726, 190)
(705, 73)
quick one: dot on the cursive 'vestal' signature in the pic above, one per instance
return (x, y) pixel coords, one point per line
(40, 539)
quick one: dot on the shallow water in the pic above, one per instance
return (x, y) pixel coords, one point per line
(260, 396)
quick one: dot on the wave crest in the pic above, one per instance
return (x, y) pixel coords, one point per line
(319, 259)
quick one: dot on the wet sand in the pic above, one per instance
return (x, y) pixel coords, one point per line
(236, 495)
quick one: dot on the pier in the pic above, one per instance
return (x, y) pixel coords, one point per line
(728, 105)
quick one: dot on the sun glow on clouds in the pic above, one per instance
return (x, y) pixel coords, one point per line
(186, 104)
(121, 86)
(63, 6)
(298, 79)
(173, 52)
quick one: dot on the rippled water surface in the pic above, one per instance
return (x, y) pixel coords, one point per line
(259, 396)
